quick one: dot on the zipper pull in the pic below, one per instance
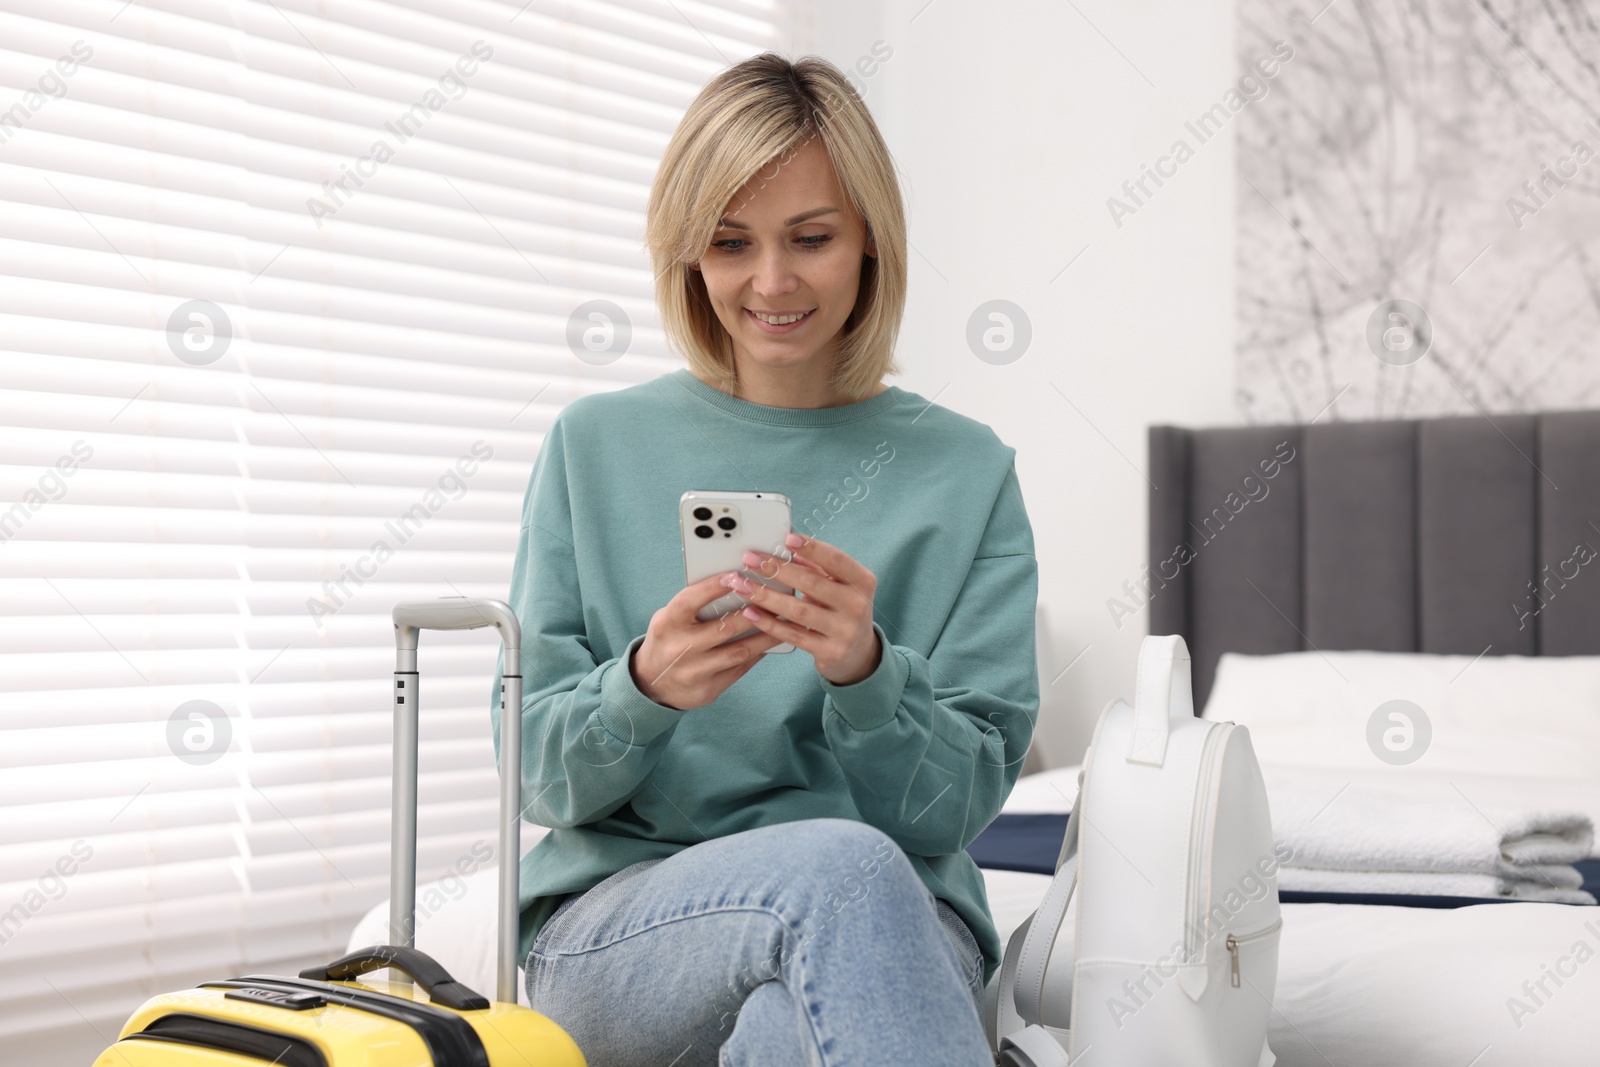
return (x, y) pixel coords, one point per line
(1233, 954)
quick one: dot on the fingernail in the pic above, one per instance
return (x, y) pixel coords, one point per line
(752, 559)
(794, 540)
(726, 581)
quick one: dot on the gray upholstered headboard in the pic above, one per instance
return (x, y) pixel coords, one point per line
(1447, 535)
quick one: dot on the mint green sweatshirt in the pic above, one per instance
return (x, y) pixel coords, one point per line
(926, 748)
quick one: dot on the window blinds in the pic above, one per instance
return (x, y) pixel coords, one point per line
(285, 291)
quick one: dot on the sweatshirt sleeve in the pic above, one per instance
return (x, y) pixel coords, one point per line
(589, 736)
(931, 745)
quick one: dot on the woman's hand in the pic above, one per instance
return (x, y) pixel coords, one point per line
(833, 621)
(680, 664)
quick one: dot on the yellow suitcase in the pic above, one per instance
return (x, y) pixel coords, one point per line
(334, 1017)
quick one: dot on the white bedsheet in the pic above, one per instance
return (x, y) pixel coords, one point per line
(1371, 986)
(1487, 985)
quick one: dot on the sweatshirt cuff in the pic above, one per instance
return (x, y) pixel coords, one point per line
(873, 701)
(625, 712)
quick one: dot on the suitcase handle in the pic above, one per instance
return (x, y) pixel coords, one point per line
(419, 966)
(456, 613)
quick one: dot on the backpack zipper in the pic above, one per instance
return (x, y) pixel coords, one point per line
(1235, 940)
(1200, 828)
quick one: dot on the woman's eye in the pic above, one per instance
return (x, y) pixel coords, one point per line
(812, 242)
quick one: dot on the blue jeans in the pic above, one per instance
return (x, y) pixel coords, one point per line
(810, 942)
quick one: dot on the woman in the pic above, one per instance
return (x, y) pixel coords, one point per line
(760, 859)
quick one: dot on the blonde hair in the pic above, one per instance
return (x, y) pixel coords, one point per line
(745, 118)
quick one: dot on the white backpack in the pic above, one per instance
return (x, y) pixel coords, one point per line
(1175, 955)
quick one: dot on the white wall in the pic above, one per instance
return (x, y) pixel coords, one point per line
(1012, 124)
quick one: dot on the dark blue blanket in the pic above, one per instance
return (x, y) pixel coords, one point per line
(1031, 843)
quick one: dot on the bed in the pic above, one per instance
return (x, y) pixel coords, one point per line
(1319, 572)
(1433, 560)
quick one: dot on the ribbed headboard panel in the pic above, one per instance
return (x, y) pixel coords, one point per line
(1452, 535)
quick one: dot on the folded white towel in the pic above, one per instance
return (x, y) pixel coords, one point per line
(1562, 888)
(1351, 821)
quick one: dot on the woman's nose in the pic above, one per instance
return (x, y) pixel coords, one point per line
(775, 274)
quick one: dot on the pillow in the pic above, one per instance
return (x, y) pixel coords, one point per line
(1528, 715)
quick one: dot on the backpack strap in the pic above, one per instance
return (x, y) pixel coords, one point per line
(1163, 694)
(1035, 1043)
(1027, 985)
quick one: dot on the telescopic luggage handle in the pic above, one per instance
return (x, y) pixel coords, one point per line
(456, 613)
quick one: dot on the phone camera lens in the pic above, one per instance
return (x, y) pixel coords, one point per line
(702, 514)
(703, 532)
(726, 523)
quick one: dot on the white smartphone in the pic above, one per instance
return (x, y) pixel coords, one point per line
(718, 528)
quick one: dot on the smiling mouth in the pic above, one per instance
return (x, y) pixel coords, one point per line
(786, 318)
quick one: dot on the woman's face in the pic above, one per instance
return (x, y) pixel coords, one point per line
(788, 243)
